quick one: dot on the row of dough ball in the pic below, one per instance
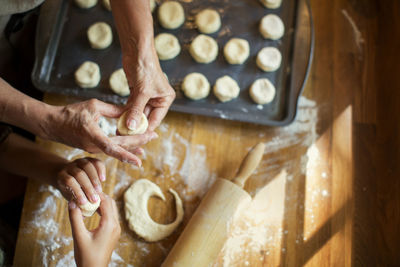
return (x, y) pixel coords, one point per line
(88, 76)
(196, 86)
(85, 4)
(204, 49)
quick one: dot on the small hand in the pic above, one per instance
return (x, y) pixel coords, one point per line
(94, 248)
(77, 125)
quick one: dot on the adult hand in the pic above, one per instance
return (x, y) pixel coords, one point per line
(94, 248)
(151, 92)
(77, 125)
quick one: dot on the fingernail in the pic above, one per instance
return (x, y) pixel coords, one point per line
(82, 200)
(98, 188)
(102, 177)
(71, 205)
(132, 125)
(95, 198)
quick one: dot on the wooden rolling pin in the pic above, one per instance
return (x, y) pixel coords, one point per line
(208, 229)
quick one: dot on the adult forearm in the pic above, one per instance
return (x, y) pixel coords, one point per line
(134, 24)
(25, 158)
(23, 111)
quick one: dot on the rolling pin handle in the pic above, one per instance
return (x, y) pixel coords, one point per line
(249, 164)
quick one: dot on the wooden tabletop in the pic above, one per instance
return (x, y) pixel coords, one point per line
(316, 197)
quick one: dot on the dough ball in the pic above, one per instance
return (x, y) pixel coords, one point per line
(262, 91)
(195, 86)
(86, 3)
(88, 75)
(119, 83)
(208, 21)
(272, 27)
(152, 5)
(167, 46)
(89, 208)
(140, 129)
(226, 89)
(204, 49)
(236, 51)
(100, 35)
(269, 59)
(171, 15)
(271, 3)
(107, 5)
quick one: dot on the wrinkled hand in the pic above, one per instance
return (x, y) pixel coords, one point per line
(151, 92)
(94, 248)
(77, 125)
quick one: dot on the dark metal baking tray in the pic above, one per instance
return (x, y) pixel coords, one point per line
(61, 46)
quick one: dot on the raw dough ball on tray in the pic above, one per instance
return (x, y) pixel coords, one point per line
(152, 5)
(269, 59)
(88, 75)
(171, 15)
(86, 3)
(100, 35)
(89, 208)
(226, 89)
(208, 21)
(272, 27)
(236, 51)
(167, 46)
(119, 83)
(204, 49)
(271, 3)
(107, 5)
(195, 86)
(140, 129)
(262, 91)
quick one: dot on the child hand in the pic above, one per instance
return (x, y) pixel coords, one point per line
(94, 248)
(80, 180)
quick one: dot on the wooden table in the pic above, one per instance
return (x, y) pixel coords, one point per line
(326, 192)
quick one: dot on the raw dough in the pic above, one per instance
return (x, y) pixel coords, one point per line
(204, 49)
(88, 75)
(107, 5)
(208, 21)
(140, 129)
(167, 46)
(269, 59)
(226, 89)
(195, 86)
(100, 35)
(119, 83)
(171, 15)
(271, 3)
(86, 3)
(89, 208)
(236, 51)
(152, 5)
(262, 91)
(272, 27)
(139, 220)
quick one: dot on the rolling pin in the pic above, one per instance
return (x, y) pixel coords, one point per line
(208, 229)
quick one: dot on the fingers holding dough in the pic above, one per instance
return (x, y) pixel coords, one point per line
(140, 129)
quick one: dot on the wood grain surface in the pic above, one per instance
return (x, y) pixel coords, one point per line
(328, 183)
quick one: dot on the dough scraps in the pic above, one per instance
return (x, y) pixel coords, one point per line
(136, 199)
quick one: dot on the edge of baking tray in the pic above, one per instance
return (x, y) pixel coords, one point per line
(45, 55)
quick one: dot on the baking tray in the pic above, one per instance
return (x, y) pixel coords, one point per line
(61, 46)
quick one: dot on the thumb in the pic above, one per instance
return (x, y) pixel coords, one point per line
(78, 227)
(136, 106)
